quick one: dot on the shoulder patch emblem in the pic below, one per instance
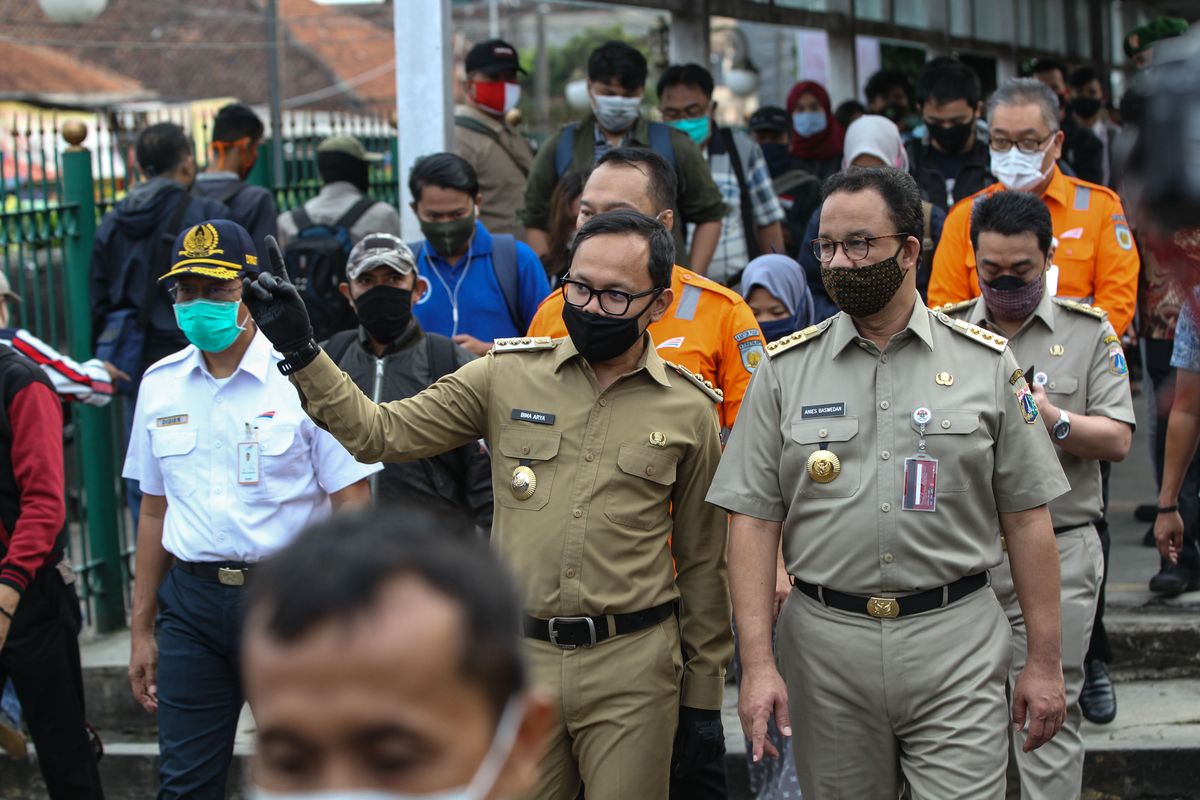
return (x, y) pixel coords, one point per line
(1124, 237)
(1117, 365)
(714, 394)
(792, 339)
(523, 344)
(752, 354)
(1082, 308)
(1025, 401)
(974, 332)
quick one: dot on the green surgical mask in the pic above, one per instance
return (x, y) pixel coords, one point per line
(449, 238)
(697, 129)
(211, 325)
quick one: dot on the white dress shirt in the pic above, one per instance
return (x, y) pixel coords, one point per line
(184, 445)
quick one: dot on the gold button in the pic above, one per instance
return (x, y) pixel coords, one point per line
(570, 572)
(590, 456)
(525, 450)
(945, 423)
(886, 507)
(577, 513)
(650, 470)
(885, 405)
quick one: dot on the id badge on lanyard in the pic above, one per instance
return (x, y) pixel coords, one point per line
(920, 471)
(248, 454)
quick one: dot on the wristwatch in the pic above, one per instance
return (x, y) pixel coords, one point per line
(1062, 428)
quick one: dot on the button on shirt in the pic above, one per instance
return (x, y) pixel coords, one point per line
(1088, 379)
(837, 393)
(187, 429)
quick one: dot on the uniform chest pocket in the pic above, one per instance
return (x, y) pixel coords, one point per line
(1074, 250)
(838, 436)
(953, 437)
(1062, 385)
(640, 492)
(281, 463)
(171, 447)
(531, 447)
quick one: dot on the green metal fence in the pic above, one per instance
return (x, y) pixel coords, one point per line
(55, 192)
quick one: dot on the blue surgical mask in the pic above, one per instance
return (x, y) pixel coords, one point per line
(809, 123)
(483, 782)
(773, 329)
(697, 129)
(211, 325)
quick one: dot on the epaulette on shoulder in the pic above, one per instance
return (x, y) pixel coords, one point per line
(523, 344)
(714, 394)
(1082, 308)
(951, 308)
(792, 339)
(975, 333)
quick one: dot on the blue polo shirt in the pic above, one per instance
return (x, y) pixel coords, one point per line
(471, 288)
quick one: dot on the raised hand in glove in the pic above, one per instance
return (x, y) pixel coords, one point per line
(699, 740)
(277, 308)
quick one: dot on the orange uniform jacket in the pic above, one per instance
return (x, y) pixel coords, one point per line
(708, 328)
(1096, 259)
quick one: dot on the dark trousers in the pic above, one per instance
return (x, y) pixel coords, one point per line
(706, 782)
(1162, 376)
(199, 688)
(41, 655)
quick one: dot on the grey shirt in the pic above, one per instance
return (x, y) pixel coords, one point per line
(331, 202)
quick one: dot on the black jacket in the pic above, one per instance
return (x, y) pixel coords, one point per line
(458, 482)
(975, 173)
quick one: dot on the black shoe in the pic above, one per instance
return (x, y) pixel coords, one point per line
(1173, 579)
(1148, 538)
(1098, 700)
(1145, 512)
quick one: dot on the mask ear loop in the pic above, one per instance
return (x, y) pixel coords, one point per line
(502, 745)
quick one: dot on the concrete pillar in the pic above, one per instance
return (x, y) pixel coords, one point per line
(424, 91)
(689, 35)
(843, 69)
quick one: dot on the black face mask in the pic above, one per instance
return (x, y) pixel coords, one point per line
(779, 160)
(385, 312)
(951, 139)
(599, 338)
(1086, 107)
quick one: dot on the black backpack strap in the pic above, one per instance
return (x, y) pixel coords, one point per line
(354, 213)
(504, 263)
(739, 172)
(301, 218)
(162, 256)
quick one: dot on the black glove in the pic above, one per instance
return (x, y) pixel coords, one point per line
(699, 740)
(276, 306)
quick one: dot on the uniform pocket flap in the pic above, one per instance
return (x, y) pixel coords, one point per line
(535, 444)
(1073, 249)
(815, 431)
(276, 439)
(1062, 384)
(172, 442)
(653, 465)
(950, 422)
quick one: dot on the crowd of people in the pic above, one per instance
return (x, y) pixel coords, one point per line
(845, 378)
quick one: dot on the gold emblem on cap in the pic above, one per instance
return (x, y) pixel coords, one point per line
(658, 439)
(824, 466)
(944, 379)
(1057, 349)
(524, 483)
(201, 241)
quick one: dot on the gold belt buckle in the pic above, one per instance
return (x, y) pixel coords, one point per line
(883, 607)
(231, 577)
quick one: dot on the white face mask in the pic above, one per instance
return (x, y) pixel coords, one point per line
(477, 789)
(614, 113)
(1019, 171)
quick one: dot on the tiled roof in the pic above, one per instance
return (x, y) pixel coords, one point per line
(32, 72)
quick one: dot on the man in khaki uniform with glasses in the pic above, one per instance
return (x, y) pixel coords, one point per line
(891, 446)
(1080, 382)
(601, 455)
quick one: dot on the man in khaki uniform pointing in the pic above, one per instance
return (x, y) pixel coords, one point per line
(601, 455)
(891, 446)
(1081, 385)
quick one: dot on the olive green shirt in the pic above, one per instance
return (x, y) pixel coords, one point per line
(829, 388)
(617, 522)
(697, 200)
(1077, 357)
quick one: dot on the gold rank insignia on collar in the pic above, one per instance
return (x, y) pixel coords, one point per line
(792, 339)
(523, 344)
(715, 394)
(1082, 308)
(974, 332)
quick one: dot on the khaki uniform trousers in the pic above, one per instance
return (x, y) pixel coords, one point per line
(618, 707)
(876, 703)
(1055, 770)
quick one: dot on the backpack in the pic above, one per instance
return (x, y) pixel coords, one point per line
(660, 142)
(316, 263)
(504, 264)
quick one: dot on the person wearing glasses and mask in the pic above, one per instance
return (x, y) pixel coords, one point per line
(1096, 257)
(890, 447)
(601, 455)
(231, 469)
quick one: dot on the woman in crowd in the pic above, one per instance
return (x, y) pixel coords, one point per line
(777, 292)
(817, 143)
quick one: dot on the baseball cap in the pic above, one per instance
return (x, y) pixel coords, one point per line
(380, 250)
(492, 56)
(348, 145)
(6, 291)
(218, 249)
(770, 118)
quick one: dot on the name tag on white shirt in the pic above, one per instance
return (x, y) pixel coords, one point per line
(248, 463)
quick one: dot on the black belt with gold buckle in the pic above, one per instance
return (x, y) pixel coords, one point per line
(226, 573)
(568, 633)
(892, 607)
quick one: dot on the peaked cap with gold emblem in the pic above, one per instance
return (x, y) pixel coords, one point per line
(218, 249)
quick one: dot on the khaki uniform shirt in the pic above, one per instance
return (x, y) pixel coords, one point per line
(621, 476)
(829, 388)
(502, 164)
(1077, 357)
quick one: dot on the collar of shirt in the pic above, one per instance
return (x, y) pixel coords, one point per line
(650, 360)
(255, 361)
(481, 245)
(1059, 188)
(1044, 311)
(845, 332)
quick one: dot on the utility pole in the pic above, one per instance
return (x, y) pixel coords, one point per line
(276, 102)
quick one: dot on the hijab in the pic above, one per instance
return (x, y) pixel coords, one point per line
(784, 278)
(876, 135)
(826, 144)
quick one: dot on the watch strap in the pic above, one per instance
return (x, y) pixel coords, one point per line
(300, 358)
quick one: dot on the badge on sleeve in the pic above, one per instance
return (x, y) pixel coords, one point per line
(1025, 401)
(1124, 237)
(1116, 359)
(752, 354)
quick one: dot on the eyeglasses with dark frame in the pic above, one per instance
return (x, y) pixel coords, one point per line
(181, 292)
(1029, 146)
(856, 248)
(612, 301)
